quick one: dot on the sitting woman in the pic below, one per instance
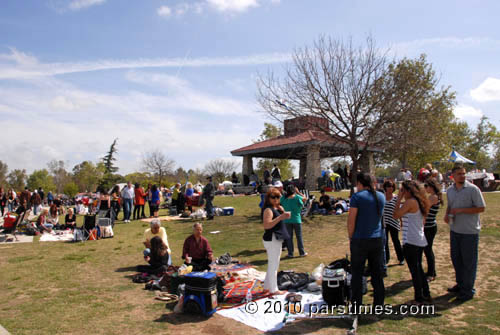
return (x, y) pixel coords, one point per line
(158, 258)
(53, 217)
(70, 220)
(42, 224)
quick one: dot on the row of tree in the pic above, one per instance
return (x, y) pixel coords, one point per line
(157, 168)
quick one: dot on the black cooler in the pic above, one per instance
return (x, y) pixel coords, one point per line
(334, 286)
(200, 293)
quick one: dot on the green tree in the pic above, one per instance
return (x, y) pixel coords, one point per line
(41, 178)
(60, 175)
(110, 158)
(285, 166)
(4, 170)
(17, 179)
(143, 178)
(481, 146)
(87, 175)
(70, 189)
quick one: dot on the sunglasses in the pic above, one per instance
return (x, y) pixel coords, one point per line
(274, 197)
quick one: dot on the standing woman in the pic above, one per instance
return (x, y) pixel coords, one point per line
(433, 188)
(273, 217)
(292, 202)
(392, 226)
(138, 202)
(115, 202)
(3, 200)
(364, 226)
(10, 200)
(148, 199)
(155, 201)
(413, 212)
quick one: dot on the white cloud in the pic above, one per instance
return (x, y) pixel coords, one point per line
(82, 4)
(445, 42)
(17, 65)
(233, 5)
(164, 11)
(489, 90)
(463, 111)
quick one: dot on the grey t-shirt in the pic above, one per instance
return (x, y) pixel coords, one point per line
(467, 197)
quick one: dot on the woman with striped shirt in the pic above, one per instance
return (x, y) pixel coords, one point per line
(414, 210)
(392, 226)
(433, 188)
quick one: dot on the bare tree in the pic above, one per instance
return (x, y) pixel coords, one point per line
(343, 84)
(157, 163)
(59, 174)
(220, 169)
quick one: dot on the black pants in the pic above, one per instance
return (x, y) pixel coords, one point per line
(413, 256)
(137, 212)
(430, 233)
(394, 232)
(370, 249)
(209, 207)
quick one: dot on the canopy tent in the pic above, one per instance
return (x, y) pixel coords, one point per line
(455, 157)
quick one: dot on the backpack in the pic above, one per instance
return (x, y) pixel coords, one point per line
(293, 281)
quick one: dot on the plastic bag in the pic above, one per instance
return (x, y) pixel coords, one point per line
(317, 273)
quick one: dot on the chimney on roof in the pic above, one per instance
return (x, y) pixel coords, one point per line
(301, 124)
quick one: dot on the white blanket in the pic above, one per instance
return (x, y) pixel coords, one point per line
(273, 319)
(67, 235)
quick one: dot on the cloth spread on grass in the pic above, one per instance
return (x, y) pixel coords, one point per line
(165, 218)
(220, 269)
(21, 238)
(55, 236)
(268, 319)
(235, 293)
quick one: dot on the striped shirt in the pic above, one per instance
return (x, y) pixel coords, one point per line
(430, 220)
(388, 214)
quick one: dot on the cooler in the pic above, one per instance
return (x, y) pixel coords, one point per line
(228, 211)
(200, 293)
(8, 221)
(334, 286)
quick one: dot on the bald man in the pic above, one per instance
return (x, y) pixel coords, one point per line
(197, 251)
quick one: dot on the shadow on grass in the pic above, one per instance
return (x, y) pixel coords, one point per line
(312, 325)
(398, 287)
(248, 253)
(127, 269)
(179, 319)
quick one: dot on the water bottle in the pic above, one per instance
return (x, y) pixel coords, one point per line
(248, 297)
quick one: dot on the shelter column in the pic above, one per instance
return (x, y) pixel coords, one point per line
(302, 168)
(367, 163)
(247, 165)
(313, 168)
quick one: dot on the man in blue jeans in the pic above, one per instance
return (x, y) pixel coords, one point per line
(128, 195)
(465, 203)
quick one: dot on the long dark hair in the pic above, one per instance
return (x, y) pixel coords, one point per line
(418, 193)
(434, 184)
(154, 188)
(366, 180)
(157, 246)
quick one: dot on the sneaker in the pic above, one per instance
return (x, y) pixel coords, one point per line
(304, 254)
(454, 289)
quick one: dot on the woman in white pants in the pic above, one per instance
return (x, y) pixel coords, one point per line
(273, 216)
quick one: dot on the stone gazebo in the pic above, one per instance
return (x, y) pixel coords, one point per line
(305, 140)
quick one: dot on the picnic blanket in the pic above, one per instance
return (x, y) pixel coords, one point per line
(166, 218)
(235, 293)
(223, 269)
(55, 236)
(21, 238)
(266, 321)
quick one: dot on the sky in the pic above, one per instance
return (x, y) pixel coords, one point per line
(180, 75)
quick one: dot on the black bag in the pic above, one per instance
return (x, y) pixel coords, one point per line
(334, 286)
(293, 281)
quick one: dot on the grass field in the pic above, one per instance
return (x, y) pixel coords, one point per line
(86, 288)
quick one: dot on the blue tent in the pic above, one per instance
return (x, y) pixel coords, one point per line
(455, 157)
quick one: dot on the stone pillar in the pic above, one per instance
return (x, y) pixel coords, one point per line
(367, 163)
(247, 165)
(302, 168)
(313, 167)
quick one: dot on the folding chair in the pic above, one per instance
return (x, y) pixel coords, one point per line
(89, 223)
(13, 229)
(308, 203)
(106, 226)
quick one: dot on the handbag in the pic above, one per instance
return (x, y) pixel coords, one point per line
(281, 232)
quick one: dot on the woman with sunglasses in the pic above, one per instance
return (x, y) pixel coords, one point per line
(273, 216)
(413, 211)
(433, 188)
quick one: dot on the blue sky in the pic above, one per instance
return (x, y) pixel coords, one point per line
(180, 75)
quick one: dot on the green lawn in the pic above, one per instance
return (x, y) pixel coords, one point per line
(85, 288)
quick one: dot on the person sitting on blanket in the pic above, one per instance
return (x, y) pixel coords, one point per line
(325, 202)
(158, 257)
(155, 231)
(53, 217)
(197, 251)
(70, 220)
(42, 224)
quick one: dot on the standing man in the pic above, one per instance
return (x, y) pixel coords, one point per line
(209, 195)
(267, 176)
(340, 180)
(128, 195)
(42, 194)
(465, 202)
(275, 173)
